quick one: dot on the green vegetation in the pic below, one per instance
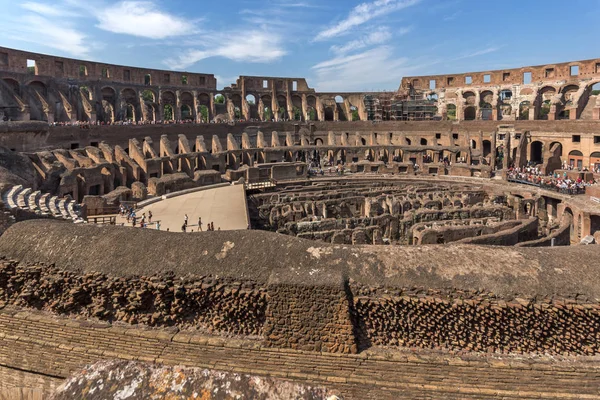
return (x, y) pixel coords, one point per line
(219, 99)
(355, 116)
(148, 96)
(312, 114)
(595, 92)
(297, 113)
(267, 114)
(451, 113)
(203, 111)
(168, 113)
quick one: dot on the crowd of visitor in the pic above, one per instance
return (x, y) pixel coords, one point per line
(554, 181)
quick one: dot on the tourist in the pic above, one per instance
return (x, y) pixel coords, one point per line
(183, 227)
(185, 220)
(158, 225)
(149, 216)
(199, 224)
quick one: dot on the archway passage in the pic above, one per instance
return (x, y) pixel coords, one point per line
(328, 114)
(536, 152)
(524, 107)
(595, 161)
(487, 148)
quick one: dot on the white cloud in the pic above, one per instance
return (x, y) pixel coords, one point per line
(142, 18)
(42, 31)
(477, 53)
(362, 13)
(255, 46)
(377, 36)
(48, 10)
(373, 69)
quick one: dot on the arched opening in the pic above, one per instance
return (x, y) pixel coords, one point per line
(363, 141)
(251, 99)
(328, 114)
(186, 112)
(486, 112)
(473, 144)
(339, 99)
(451, 112)
(524, 107)
(147, 79)
(470, 113)
(576, 159)
(107, 111)
(423, 142)
(354, 111)
(408, 141)
(318, 142)
(545, 101)
(282, 102)
(536, 152)
(129, 113)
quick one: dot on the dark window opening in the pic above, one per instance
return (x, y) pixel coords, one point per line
(455, 136)
(147, 79)
(596, 139)
(94, 144)
(549, 73)
(576, 138)
(438, 135)
(450, 81)
(105, 73)
(505, 76)
(74, 146)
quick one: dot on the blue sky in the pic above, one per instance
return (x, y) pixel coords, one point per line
(337, 45)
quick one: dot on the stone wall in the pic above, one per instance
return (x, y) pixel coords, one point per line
(34, 345)
(476, 322)
(200, 302)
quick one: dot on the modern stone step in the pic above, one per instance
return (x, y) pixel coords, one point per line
(43, 202)
(22, 198)
(11, 196)
(52, 204)
(62, 207)
(32, 200)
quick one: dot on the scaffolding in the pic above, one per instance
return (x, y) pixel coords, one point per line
(411, 105)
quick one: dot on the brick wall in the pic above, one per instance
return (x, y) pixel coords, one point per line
(39, 344)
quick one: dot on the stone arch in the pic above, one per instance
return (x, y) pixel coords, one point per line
(318, 142)
(595, 160)
(470, 113)
(297, 108)
(576, 159)
(536, 152)
(423, 142)
(470, 98)
(108, 99)
(328, 110)
(524, 107)
(282, 103)
(486, 112)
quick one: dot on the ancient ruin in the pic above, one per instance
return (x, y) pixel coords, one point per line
(434, 242)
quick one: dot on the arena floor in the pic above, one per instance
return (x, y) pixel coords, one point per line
(224, 206)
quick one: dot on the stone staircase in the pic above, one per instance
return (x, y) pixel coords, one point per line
(18, 197)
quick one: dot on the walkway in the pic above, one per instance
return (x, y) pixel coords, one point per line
(224, 206)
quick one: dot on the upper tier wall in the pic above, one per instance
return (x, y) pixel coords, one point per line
(59, 67)
(588, 69)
